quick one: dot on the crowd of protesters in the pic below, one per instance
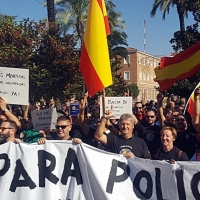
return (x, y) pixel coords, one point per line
(159, 130)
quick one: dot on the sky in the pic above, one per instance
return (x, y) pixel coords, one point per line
(134, 12)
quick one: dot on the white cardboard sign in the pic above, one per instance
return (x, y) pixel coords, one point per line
(120, 105)
(44, 118)
(14, 85)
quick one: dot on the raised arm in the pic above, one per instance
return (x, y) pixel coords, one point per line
(195, 118)
(7, 113)
(99, 134)
(161, 116)
(82, 124)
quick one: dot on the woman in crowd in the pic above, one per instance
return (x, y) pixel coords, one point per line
(168, 151)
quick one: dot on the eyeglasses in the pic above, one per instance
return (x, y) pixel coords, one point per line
(3, 128)
(180, 120)
(63, 126)
(139, 108)
(149, 116)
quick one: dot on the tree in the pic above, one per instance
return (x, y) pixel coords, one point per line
(165, 5)
(133, 90)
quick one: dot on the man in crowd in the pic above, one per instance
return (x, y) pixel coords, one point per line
(8, 130)
(63, 128)
(126, 143)
(150, 131)
(139, 112)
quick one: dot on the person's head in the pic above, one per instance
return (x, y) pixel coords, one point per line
(168, 135)
(63, 127)
(152, 103)
(75, 120)
(126, 125)
(17, 110)
(8, 130)
(150, 116)
(173, 116)
(138, 110)
(181, 123)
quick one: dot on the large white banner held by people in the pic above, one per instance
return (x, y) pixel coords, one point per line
(60, 170)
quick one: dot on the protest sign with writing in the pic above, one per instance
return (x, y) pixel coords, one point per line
(120, 105)
(63, 170)
(74, 109)
(14, 85)
(44, 118)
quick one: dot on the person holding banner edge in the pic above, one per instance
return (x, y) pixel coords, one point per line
(63, 128)
(126, 143)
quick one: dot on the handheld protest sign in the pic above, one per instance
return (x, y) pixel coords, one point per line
(120, 105)
(14, 85)
(44, 118)
(74, 109)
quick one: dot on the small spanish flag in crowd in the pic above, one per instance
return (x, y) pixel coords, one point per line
(95, 61)
(181, 66)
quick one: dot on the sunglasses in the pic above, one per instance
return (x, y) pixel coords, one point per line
(180, 120)
(62, 127)
(3, 128)
(149, 116)
(138, 108)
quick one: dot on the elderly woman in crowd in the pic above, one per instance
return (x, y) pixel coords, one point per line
(168, 151)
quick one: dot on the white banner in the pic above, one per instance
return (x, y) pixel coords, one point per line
(14, 85)
(120, 105)
(60, 170)
(44, 118)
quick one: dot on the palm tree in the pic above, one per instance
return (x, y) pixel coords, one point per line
(164, 6)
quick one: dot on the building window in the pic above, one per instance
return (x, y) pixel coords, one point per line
(126, 75)
(140, 75)
(147, 77)
(140, 59)
(144, 76)
(127, 60)
(151, 77)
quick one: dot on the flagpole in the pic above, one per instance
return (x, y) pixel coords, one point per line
(104, 101)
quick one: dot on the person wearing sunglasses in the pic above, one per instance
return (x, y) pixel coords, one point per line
(63, 128)
(150, 131)
(8, 130)
(138, 111)
(186, 135)
(168, 151)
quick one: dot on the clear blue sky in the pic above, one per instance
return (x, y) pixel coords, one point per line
(158, 31)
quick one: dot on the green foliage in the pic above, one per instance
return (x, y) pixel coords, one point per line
(133, 90)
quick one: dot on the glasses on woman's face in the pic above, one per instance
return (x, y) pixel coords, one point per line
(3, 128)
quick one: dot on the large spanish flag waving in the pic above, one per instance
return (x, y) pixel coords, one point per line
(95, 61)
(181, 66)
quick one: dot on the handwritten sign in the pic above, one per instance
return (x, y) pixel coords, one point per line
(44, 118)
(14, 85)
(120, 105)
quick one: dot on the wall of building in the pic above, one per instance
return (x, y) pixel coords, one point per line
(140, 70)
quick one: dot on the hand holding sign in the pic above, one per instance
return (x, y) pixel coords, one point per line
(108, 113)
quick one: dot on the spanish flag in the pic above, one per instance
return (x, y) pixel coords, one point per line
(95, 61)
(181, 66)
(190, 103)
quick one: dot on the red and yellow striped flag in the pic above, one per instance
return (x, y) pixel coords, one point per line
(95, 61)
(190, 103)
(181, 66)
